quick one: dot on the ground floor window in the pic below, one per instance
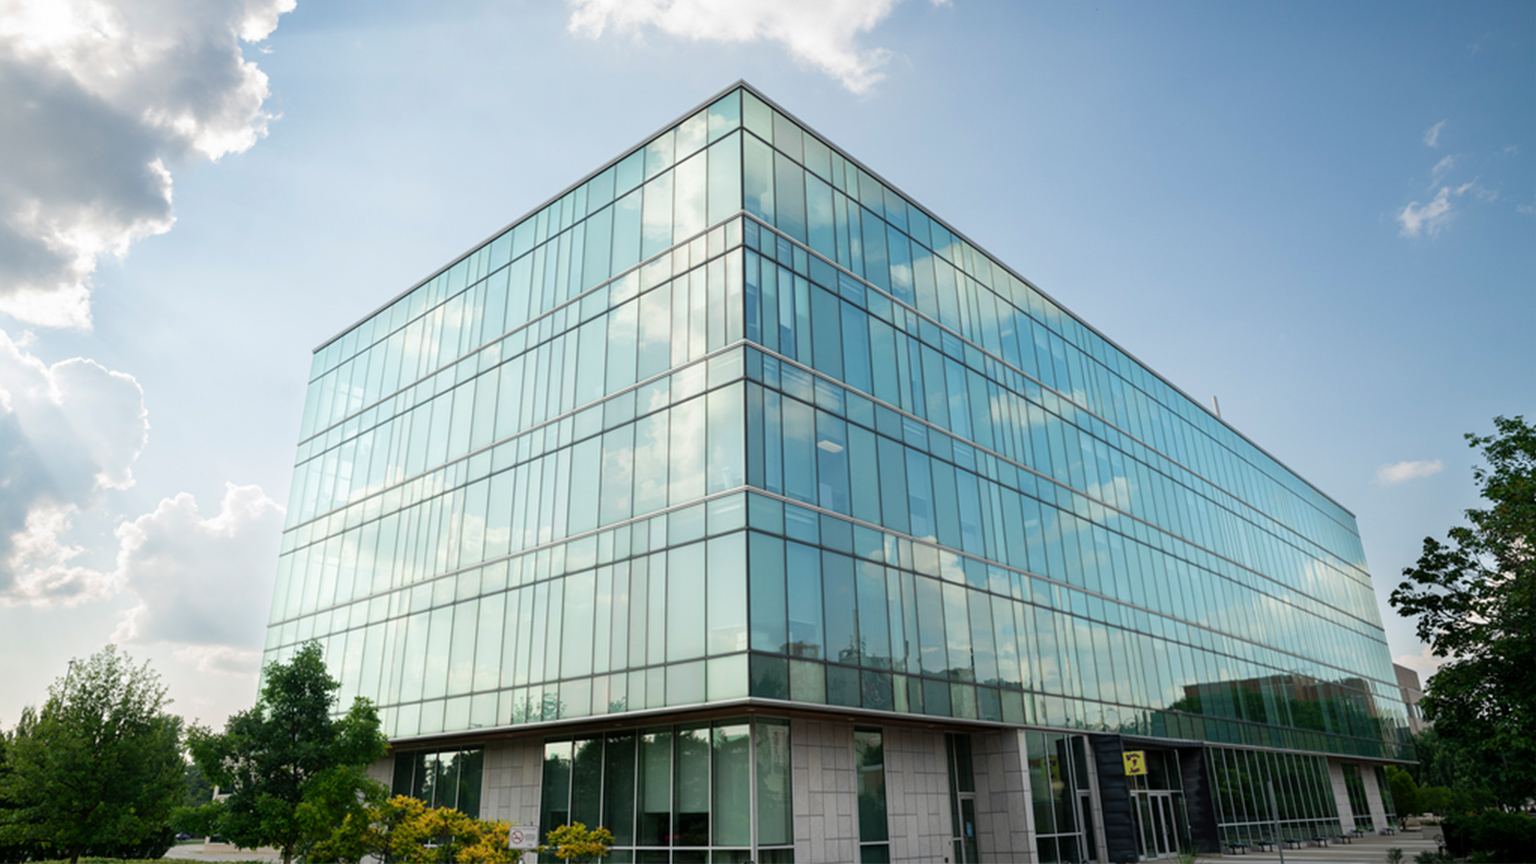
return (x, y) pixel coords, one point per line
(1386, 794)
(1056, 774)
(679, 794)
(442, 778)
(1303, 795)
(869, 762)
(1359, 805)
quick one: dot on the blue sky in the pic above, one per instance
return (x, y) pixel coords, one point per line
(1324, 214)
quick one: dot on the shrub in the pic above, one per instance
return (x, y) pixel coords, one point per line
(1500, 836)
(407, 831)
(575, 842)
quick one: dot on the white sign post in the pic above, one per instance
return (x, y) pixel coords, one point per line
(523, 837)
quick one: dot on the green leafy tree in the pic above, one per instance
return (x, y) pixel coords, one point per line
(1475, 598)
(292, 770)
(1405, 792)
(199, 790)
(99, 768)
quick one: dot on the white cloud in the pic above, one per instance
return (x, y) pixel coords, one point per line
(820, 33)
(220, 659)
(98, 99)
(201, 581)
(1425, 663)
(1417, 219)
(68, 433)
(1399, 472)
(1432, 134)
(1443, 166)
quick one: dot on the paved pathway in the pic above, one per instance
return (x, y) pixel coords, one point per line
(1366, 850)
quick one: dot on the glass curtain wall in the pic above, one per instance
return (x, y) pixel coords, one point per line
(679, 794)
(564, 377)
(967, 503)
(1132, 482)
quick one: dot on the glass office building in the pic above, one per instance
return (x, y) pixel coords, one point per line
(735, 502)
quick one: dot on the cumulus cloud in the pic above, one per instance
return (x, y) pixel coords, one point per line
(98, 100)
(198, 579)
(1399, 472)
(1432, 134)
(68, 433)
(821, 33)
(1431, 218)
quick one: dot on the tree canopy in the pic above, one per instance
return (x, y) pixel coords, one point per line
(99, 768)
(1475, 598)
(293, 771)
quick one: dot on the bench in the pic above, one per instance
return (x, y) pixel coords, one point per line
(1264, 845)
(1320, 841)
(1235, 848)
(1294, 842)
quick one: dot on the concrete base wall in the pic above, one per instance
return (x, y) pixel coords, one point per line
(1004, 818)
(1341, 796)
(825, 789)
(514, 774)
(383, 770)
(1373, 797)
(917, 796)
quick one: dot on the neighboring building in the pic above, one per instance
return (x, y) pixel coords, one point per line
(735, 502)
(1408, 686)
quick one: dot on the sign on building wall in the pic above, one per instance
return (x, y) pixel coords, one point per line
(1135, 762)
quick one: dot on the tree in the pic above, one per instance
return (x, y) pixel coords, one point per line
(1405, 792)
(293, 772)
(98, 769)
(1475, 598)
(199, 790)
(404, 830)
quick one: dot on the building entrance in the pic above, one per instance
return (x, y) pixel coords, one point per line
(1160, 823)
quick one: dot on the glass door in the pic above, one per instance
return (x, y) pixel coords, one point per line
(1170, 823)
(965, 844)
(1157, 825)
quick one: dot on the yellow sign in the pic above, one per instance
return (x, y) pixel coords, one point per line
(1135, 762)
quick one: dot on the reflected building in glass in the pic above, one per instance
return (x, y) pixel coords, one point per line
(735, 502)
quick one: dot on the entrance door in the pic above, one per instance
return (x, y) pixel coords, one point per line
(1157, 824)
(965, 844)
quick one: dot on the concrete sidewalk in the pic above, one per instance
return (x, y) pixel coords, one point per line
(1371, 848)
